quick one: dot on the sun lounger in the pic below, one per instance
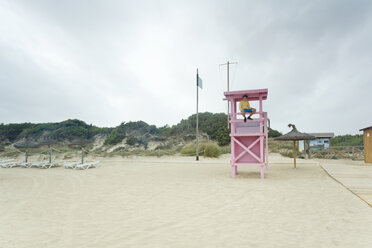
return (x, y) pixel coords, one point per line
(42, 163)
(40, 160)
(13, 164)
(87, 165)
(47, 164)
(25, 164)
(70, 165)
(4, 163)
(9, 164)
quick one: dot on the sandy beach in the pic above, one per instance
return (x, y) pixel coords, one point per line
(177, 202)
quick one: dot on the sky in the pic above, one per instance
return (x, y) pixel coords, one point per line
(107, 62)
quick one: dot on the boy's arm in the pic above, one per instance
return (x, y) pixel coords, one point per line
(240, 106)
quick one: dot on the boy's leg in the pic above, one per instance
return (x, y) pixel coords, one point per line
(253, 112)
(243, 114)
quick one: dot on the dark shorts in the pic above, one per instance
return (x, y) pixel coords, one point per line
(248, 110)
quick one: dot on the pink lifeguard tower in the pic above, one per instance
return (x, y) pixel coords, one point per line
(249, 140)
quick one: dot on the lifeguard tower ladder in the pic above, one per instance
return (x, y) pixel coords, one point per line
(249, 140)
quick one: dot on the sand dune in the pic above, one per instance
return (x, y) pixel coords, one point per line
(177, 202)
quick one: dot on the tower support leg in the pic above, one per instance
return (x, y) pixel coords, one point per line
(262, 171)
(233, 171)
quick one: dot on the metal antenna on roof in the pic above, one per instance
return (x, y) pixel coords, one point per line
(228, 89)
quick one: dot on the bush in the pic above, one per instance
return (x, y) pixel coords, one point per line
(274, 133)
(347, 140)
(212, 151)
(159, 153)
(286, 153)
(223, 136)
(164, 147)
(189, 150)
(131, 141)
(113, 138)
(226, 149)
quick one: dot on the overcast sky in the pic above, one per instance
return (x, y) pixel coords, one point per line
(106, 62)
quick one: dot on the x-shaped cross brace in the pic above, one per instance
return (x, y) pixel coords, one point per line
(246, 149)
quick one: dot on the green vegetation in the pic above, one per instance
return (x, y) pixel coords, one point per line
(190, 150)
(212, 127)
(274, 133)
(212, 151)
(10, 132)
(114, 138)
(137, 128)
(141, 152)
(65, 130)
(347, 140)
(280, 146)
(225, 149)
(131, 141)
(206, 149)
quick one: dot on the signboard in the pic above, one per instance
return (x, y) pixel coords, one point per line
(319, 144)
(301, 146)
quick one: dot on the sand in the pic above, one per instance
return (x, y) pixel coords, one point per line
(177, 202)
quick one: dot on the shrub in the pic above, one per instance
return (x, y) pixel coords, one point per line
(159, 153)
(223, 136)
(113, 138)
(212, 151)
(347, 140)
(225, 149)
(274, 133)
(164, 147)
(131, 141)
(189, 150)
(286, 153)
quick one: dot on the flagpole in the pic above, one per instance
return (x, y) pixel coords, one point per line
(197, 115)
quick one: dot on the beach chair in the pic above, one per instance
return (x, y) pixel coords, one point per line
(24, 164)
(13, 164)
(47, 164)
(40, 160)
(87, 165)
(9, 163)
(4, 163)
(70, 165)
(42, 163)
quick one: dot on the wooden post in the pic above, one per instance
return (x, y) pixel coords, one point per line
(26, 158)
(50, 154)
(82, 155)
(197, 115)
(294, 153)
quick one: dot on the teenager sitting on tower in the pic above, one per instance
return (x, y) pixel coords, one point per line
(246, 108)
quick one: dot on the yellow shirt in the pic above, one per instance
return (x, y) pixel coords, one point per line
(244, 105)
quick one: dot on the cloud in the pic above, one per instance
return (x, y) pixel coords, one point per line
(113, 61)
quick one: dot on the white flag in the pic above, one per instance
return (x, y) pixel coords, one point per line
(199, 82)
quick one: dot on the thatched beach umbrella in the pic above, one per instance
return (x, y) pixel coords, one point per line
(295, 135)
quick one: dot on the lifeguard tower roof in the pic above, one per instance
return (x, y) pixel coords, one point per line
(253, 95)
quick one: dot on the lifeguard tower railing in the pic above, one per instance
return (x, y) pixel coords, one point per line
(249, 140)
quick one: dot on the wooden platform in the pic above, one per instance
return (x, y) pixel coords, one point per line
(356, 178)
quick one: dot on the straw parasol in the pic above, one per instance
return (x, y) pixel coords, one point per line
(295, 135)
